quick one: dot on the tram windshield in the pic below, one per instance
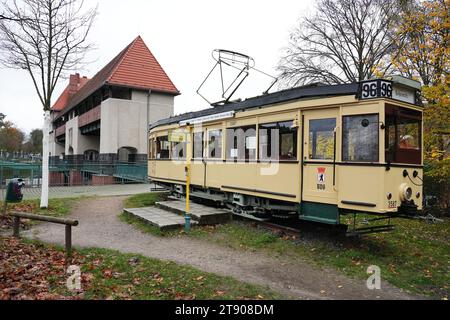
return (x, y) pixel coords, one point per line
(403, 135)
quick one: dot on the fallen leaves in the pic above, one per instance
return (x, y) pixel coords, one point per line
(24, 207)
(107, 273)
(133, 261)
(157, 277)
(356, 262)
(32, 271)
(219, 293)
(6, 223)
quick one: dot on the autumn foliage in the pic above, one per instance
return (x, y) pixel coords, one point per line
(423, 39)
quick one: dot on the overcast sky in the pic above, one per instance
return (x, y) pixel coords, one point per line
(181, 34)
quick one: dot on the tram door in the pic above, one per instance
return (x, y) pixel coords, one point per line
(319, 153)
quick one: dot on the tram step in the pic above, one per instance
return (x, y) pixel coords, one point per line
(251, 217)
(200, 213)
(367, 230)
(160, 218)
(211, 197)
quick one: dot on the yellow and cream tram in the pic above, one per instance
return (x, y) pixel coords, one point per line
(314, 152)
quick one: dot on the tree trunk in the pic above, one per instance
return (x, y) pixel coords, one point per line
(45, 159)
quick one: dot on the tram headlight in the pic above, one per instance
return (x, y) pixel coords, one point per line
(405, 192)
(408, 193)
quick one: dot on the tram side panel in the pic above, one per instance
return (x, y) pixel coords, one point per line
(360, 188)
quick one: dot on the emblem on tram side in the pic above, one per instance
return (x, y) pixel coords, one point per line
(321, 178)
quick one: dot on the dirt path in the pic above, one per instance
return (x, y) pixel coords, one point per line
(100, 227)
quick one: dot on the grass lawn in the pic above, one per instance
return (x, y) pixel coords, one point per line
(415, 256)
(108, 274)
(144, 200)
(137, 277)
(56, 207)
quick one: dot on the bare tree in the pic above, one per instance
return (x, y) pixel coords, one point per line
(344, 41)
(46, 38)
(3, 17)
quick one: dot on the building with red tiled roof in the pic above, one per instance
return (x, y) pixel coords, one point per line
(106, 118)
(75, 83)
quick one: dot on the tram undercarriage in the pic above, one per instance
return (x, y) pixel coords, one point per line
(265, 209)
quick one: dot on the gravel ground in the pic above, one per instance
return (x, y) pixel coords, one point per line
(101, 227)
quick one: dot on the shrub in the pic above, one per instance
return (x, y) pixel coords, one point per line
(437, 186)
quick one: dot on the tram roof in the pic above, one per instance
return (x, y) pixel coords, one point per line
(309, 91)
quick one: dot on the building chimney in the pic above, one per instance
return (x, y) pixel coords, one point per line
(73, 83)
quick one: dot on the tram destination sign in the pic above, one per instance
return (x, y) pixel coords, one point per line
(208, 118)
(380, 88)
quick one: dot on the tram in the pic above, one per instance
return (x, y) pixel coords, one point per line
(313, 153)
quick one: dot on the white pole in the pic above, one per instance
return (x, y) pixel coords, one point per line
(45, 156)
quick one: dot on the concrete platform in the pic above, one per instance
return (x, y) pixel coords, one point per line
(160, 218)
(201, 213)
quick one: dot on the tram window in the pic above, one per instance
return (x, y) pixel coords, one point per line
(321, 138)
(162, 147)
(278, 141)
(241, 143)
(178, 150)
(403, 138)
(198, 145)
(215, 144)
(360, 143)
(151, 148)
(409, 134)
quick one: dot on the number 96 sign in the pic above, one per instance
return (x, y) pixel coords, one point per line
(376, 89)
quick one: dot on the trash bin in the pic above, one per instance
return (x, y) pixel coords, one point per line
(14, 191)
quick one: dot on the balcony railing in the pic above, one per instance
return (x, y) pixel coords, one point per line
(66, 173)
(60, 131)
(90, 116)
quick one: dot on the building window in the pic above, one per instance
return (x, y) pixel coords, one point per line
(70, 136)
(121, 93)
(360, 138)
(162, 148)
(105, 93)
(97, 99)
(91, 155)
(278, 141)
(241, 143)
(215, 144)
(321, 138)
(198, 145)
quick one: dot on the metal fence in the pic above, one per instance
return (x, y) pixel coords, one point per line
(73, 174)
